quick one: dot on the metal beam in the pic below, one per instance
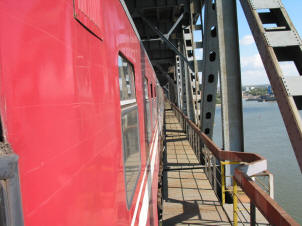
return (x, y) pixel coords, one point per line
(147, 5)
(181, 92)
(230, 79)
(169, 32)
(230, 75)
(168, 43)
(163, 60)
(195, 12)
(188, 50)
(151, 40)
(287, 105)
(187, 84)
(210, 71)
(174, 26)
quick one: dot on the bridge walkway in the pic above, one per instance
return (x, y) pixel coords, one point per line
(188, 198)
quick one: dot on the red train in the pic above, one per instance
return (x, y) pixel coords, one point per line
(82, 108)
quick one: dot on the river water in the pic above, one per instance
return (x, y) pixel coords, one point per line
(265, 134)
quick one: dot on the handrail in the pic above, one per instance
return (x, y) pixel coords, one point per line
(251, 164)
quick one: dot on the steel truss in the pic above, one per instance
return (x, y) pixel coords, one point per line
(276, 44)
(171, 43)
(221, 62)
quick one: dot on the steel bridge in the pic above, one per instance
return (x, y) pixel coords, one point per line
(168, 31)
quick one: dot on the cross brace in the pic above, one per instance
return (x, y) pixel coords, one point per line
(168, 43)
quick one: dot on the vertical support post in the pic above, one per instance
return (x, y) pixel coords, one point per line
(189, 97)
(253, 214)
(178, 82)
(187, 102)
(230, 78)
(271, 185)
(195, 6)
(210, 69)
(206, 162)
(185, 49)
(235, 203)
(222, 182)
(181, 84)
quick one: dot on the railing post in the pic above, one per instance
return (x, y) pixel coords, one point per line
(235, 203)
(194, 142)
(187, 130)
(201, 157)
(208, 165)
(214, 174)
(194, 135)
(253, 214)
(198, 150)
(206, 162)
(211, 169)
(222, 182)
(192, 138)
(271, 185)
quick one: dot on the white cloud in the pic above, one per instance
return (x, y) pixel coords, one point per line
(251, 62)
(252, 70)
(288, 68)
(247, 40)
(254, 77)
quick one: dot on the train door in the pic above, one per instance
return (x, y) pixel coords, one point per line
(130, 127)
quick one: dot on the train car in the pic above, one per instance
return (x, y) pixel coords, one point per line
(82, 109)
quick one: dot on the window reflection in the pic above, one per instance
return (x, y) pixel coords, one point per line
(126, 79)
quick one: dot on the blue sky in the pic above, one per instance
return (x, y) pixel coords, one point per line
(252, 70)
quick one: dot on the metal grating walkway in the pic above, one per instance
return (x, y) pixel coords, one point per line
(188, 198)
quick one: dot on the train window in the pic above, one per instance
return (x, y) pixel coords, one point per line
(147, 113)
(151, 88)
(146, 88)
(130, 127)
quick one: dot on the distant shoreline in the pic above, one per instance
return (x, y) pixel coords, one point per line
(246, 100)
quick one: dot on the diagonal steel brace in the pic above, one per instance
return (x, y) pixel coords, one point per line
(168, 43)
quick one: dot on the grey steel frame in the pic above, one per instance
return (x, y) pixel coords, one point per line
(10, 187)
(271, 52)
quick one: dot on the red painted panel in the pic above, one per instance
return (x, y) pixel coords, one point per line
(60, 104)
(88, 12)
